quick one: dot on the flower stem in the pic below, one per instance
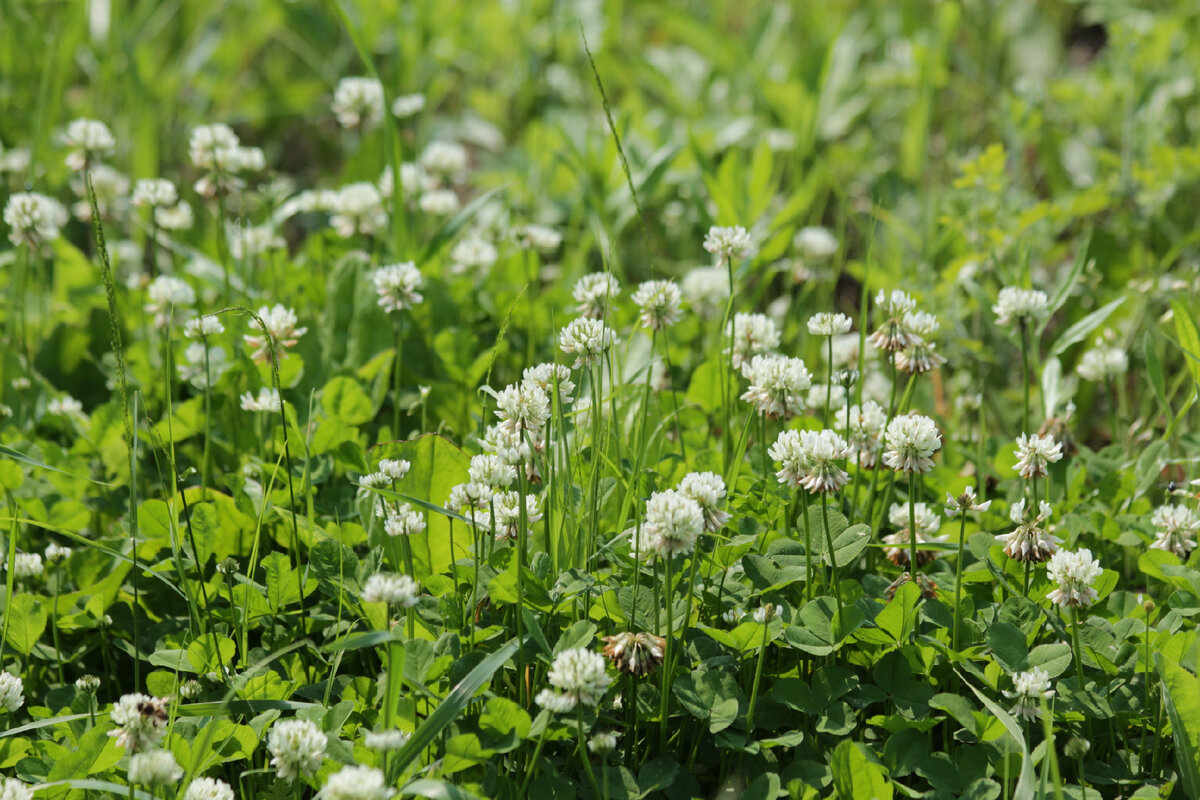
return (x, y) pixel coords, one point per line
(912, 525)
(837, 586)
(758, 670)
(962, 535)
(1025, 374)
(808, 565)
(668, 653)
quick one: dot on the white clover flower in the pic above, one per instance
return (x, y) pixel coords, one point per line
(27, 565)
(446, 160)
(673, 522)
(190, 689)
(491, 471)
(1021, 305)
(555, 702)
(595, 294)
(398, 286)
(523, 407)
(727, 243)
(141, 721)
(706, 290)
(88, 684)
(88, 139)
(358, 102)
(734, 616)
(815, 243)
(921, 354)
(439, 202)
(1030, 541)
(357, 208)
(15, 159)
(1029, 689)
(911, 440)
(1034, 453)
(472, 254)
(827, 324)
(154, 768)
(394, 590)
(581, 674)
(822, 452)
(356, 783)
(35, 219)
(209, 146)
(587, 339)
(707, 490)
(1176, 527)
(267, 400)
(536, 237)
(865, 424)
(165, 293)
(12, 691)
(1102, 363)
(385, 740)
(280, 322)
(790, 454)
(965, 502)
(248, 241)
(408, 105)
(928, 522)
(893, 334)
(1074, 573)
(154, 192)
(765, 613)
(777, 385)
(658, 303)
(208, 325)
(297, 748)
(603, 742)
(545, 376)
(507, 509)
(65, 407)
(208, 789)
(394, 469)
(403, 520)
(511, 446)
(175, 218)
(13, 789)
(110, 187)
(414, 181)
(22, 383)
(752, 335)
(56, 553)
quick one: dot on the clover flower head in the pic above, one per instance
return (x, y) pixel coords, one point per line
(492, 471)
(208, 789)
(408, 105)
(439, 202)
(815, 243)
(865, 424)
(595, 293)
(141, 721)
(248, 241)
(88, 139)
(267, 400)
(659, 304)
(356, 782)
(545, 376)
(210, 145)
(1034, 453)
(394, 590)
(403, 520)
(12, 691)
(398, 286)
(707, 489)
(556, 702)
(155, 193)
(35, 219)
(444, 159)
(893, 334)
(673, 522)
(777, 385)
(175, 218)
(1029, 689)
(727, 243)
(154, 768)
(523, 408)
(706, 290)
(635, 653)
(207, 325)
(1074, 574)
(911, 440)
(297, 747)
(965, 502)
(603, 742)
(358, 102)
(1030, 541)
(899, 551)
(27, 565)
(506, 508)
(357, 208)
(56, 553)
(1176, 528)
(65, 407)
(1102, 362)
(822, 452)
(580, 672)
(827, 324)
(281, 323)
(385, 740)
(587, 339)
(752, 335)
(472, 253)
(1021, 305)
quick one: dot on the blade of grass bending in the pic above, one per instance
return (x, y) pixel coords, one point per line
(1024, 789)
(15, 455)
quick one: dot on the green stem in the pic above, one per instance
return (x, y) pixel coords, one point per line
(958, 568)
(758, 670)
(837, 586)
(668, 653)
(808, 564)
(828, 384)
(396, 378)
(912, 525)
(1025, 374)
(587, 765)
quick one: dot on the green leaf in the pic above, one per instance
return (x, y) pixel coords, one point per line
(1189, 338)
(849, 544)
(1181, 696)
(898, 617)
(1024, 789)
(345, 400)
(1081, 329)
(26, 616)
(857, 776)
(283, 587)
(1008, 645)
(1154, 371)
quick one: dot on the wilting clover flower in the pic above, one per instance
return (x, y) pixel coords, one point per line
(1021, 305)
(579, 673)
(356, 782)
(545, 376)
(445, 160)
(297, 748)
(266, 400)
(1176, 527)
(12, 691)
(892, 335)
(357, 208)
(827, 324)
(27, 565)
(280, 322)
(523, 408)
(865, 425)
(1102, 362)
(815, 243)
(635, 653)
(707, 489)
(154, 768)
(385, 740)
(358, 102)
(155, 193)
(408, 105)
(777, 385)
(536, 237)
(727, 243)
(1034, 453)
(659, 304)
(141, 721)
(1074, 573)
(752, 335)
(706, 290)
(587, 339)
(965, 502)
(35, 219)
(911, 440)
(673, 522)
(921, 354)
(1029, 690)
(555, 702)
(403, 520)
(1030, 541)
(765, 613)
(595, 294)
(88, 140)
(507, 508)
(900, 543)
(208, 789)
(398, 286)
(394, 590)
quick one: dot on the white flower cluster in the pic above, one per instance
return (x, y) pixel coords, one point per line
(267, 400)
(1029, 690)
(580, 676)
(141, 721)
(1030, 541)
(297, 748)
(1074, 573)
(673, 521)
(752, 335)
(356, 782)
(587, 339)
(358, 102)
(1021, 305)
(595, 293)
(357, 208)
(1102, 362)
(34, 219)
(398, 286)
(659, 304)
(88, 140)
(217, 150)
(777, 385)
(727, 243)
(865, 424)
(281, 323)
(911, 440)
(1176, 528)
(12, 691)
(154, 768)
(707, 490)
(1035, 453)
(810, 459)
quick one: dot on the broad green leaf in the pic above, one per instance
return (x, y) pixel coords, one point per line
(26, 617)
(1189, 338)
(856, 776)
(1181, 696)
(343, 399)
